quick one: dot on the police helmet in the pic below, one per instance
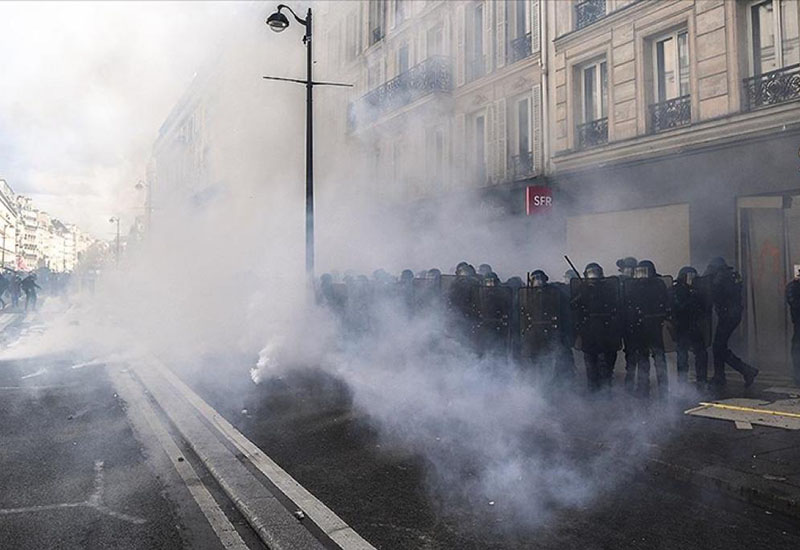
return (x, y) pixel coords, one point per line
(627, 265)
(644, 269)
(433, 273)
(463, 269)
(491, 279)
(569, 275)
(687, 274)
(539, 278)
(484, 270)
(406, 276)
(593, 271)
(514, 282)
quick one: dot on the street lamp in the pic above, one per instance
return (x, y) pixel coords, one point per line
(115, 219)
(140, 185)
(278, 22)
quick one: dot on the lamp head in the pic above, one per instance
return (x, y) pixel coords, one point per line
(277, 21)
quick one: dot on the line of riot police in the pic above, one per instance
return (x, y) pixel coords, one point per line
(538, 323)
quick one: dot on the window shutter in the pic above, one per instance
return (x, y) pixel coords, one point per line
(459, 146)
(500, 47)
(536, 128)
(461, 61)
(487, 35)
(535, 26)
(501, 153)
(490, 147)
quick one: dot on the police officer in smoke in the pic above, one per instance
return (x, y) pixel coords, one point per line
(726, 295)
(647, 306)
(690, 315)
(595, 302)
(626, 267)
(793, 300)
(554, 301)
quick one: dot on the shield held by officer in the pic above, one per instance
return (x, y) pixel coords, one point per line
(540, 319)
(647, 302)
(493, 330)
(595, 304)
(702, 290)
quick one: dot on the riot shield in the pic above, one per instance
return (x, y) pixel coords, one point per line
(493, 328)
(336, 298)
(460, 295)
(705, 320)
(540, 319)
(358, 306)
(595, 304)
(647, 304)
(426, 295)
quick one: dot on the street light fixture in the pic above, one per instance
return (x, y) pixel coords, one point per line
(140, 186)
(115, 219)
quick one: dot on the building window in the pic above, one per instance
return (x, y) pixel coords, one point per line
(520, 27)
(435, 41)
(476, 60)
(402, 59)
(774, 36)
(672, 103)
(399, 11)
(522, 156)
(593, 129)
(478, 147)
(434, 151)
(588, 11)
(377, 20)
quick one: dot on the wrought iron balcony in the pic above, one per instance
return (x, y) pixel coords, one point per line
(520, 48)
(671, 113)
(431, 76)
(522, 165)
(772, 87)
(588, 11)
(593, 133)
(476, 68)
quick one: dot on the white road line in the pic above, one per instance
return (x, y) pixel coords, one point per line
(223, 528)
(95, 501)
(344, 536)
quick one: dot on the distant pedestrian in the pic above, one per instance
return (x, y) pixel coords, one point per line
(726, 295)
(15, 289)
(29, 287)
(3, 286)
(793, 299)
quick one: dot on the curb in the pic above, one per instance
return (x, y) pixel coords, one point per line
(755, 490)
(248, 493)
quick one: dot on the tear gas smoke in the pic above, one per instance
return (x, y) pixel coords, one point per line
(221, 273)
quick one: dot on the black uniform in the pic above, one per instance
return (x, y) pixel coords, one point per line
(647, 303)
(726, 294)
(29, 287)
(793, 299)
(689, 312)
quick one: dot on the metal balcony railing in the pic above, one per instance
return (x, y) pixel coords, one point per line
(588, 11)
(671, 113)
(520, 48)
(522, 165)
(772, 88)
(593, 133)
(432, 75)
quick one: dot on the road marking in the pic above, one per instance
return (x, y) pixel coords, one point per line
(219, 522)
(94, 501)
(749, 409)
(39, 372)
(339, 532)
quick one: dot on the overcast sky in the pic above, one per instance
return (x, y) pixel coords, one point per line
(84, 88)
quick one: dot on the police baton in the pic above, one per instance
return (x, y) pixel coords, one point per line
(578, 273)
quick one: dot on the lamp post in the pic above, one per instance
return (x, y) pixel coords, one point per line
(140, 185)
(115, 219)
(278, 22)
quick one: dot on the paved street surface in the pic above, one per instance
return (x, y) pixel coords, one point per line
(73, 472)
(307, 424)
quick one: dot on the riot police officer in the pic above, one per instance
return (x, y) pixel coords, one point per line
(647, 301)
(726, 295)
(484, 270)
(691, 317)
(793, 300)
(626, 267)
(494, 317)
(595, 303)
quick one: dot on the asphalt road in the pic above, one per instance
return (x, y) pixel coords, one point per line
(73, 472)
(387, 493)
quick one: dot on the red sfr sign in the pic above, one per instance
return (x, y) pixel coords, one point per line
(538, 199)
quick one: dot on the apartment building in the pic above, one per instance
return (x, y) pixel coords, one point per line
(8, 219)
(447, 94)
